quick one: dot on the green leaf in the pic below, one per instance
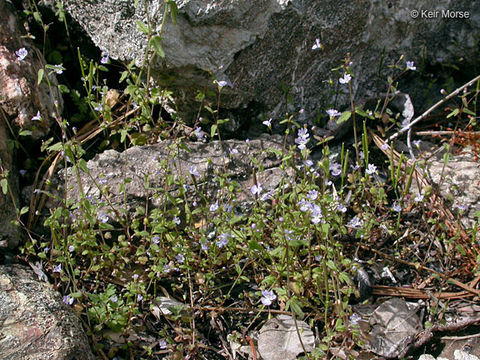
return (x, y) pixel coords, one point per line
(222, 121)
(453, 113)
(213, 131)
(4, 185)
(362, 113)
(295, 306)
(63, 89)
(254, 245)
(344, 117)
(331, 265)
(24, 210)
(56, 147)
(173, 11)
(40, 74)
(156, 42)
(142, 27)
(37, 17)
(25, 133)
(123, 77)
(123, 134)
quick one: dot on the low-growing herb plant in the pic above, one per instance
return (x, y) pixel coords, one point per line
(295, 249)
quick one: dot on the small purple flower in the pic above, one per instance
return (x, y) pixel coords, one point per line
(177, 220)
(214, 207)
(317, 45)
(417, 143)
(233, 151)
(204, 245)
(342, 208)
(37, 117)
(304, 205)
(139, 297)
(267, 123)
(199, 133)
(71, 248)
(156, 240)
(268, 297)
(418, 198)
(396, 207)
(223, 239)
(461, 207)
(114, 298)
(411, 66)
(162, 344)
(354, 319)
(192, 169)
(221, 83)
(98, 108)
(302, 139)
(371, 169)
(102, 217)
(256, 189)
(57, 268)
(308, 163)
(355, 223)
(335, 169)
(333, 113)
(167, 268)
(180, 258)
(135, 276)
(68, 300)
(21, 54)
(105, 58)
(345, 79)
(384, 147)
(316, 214)
(312, 195)
(267, 196)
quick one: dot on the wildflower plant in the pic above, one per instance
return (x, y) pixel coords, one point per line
(288, 248)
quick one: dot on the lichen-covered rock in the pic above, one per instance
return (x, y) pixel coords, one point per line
(27, 105)
(34, 322)
(265, 49)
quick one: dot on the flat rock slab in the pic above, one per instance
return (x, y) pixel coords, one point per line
(158, 164)
(34, 322)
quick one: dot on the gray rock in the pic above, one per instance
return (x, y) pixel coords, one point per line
(260, 47)
(20, 96)
(34, 322)
(394, 326)
(107, 172)
(457, 180)
(280, 339)
(20, 100)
